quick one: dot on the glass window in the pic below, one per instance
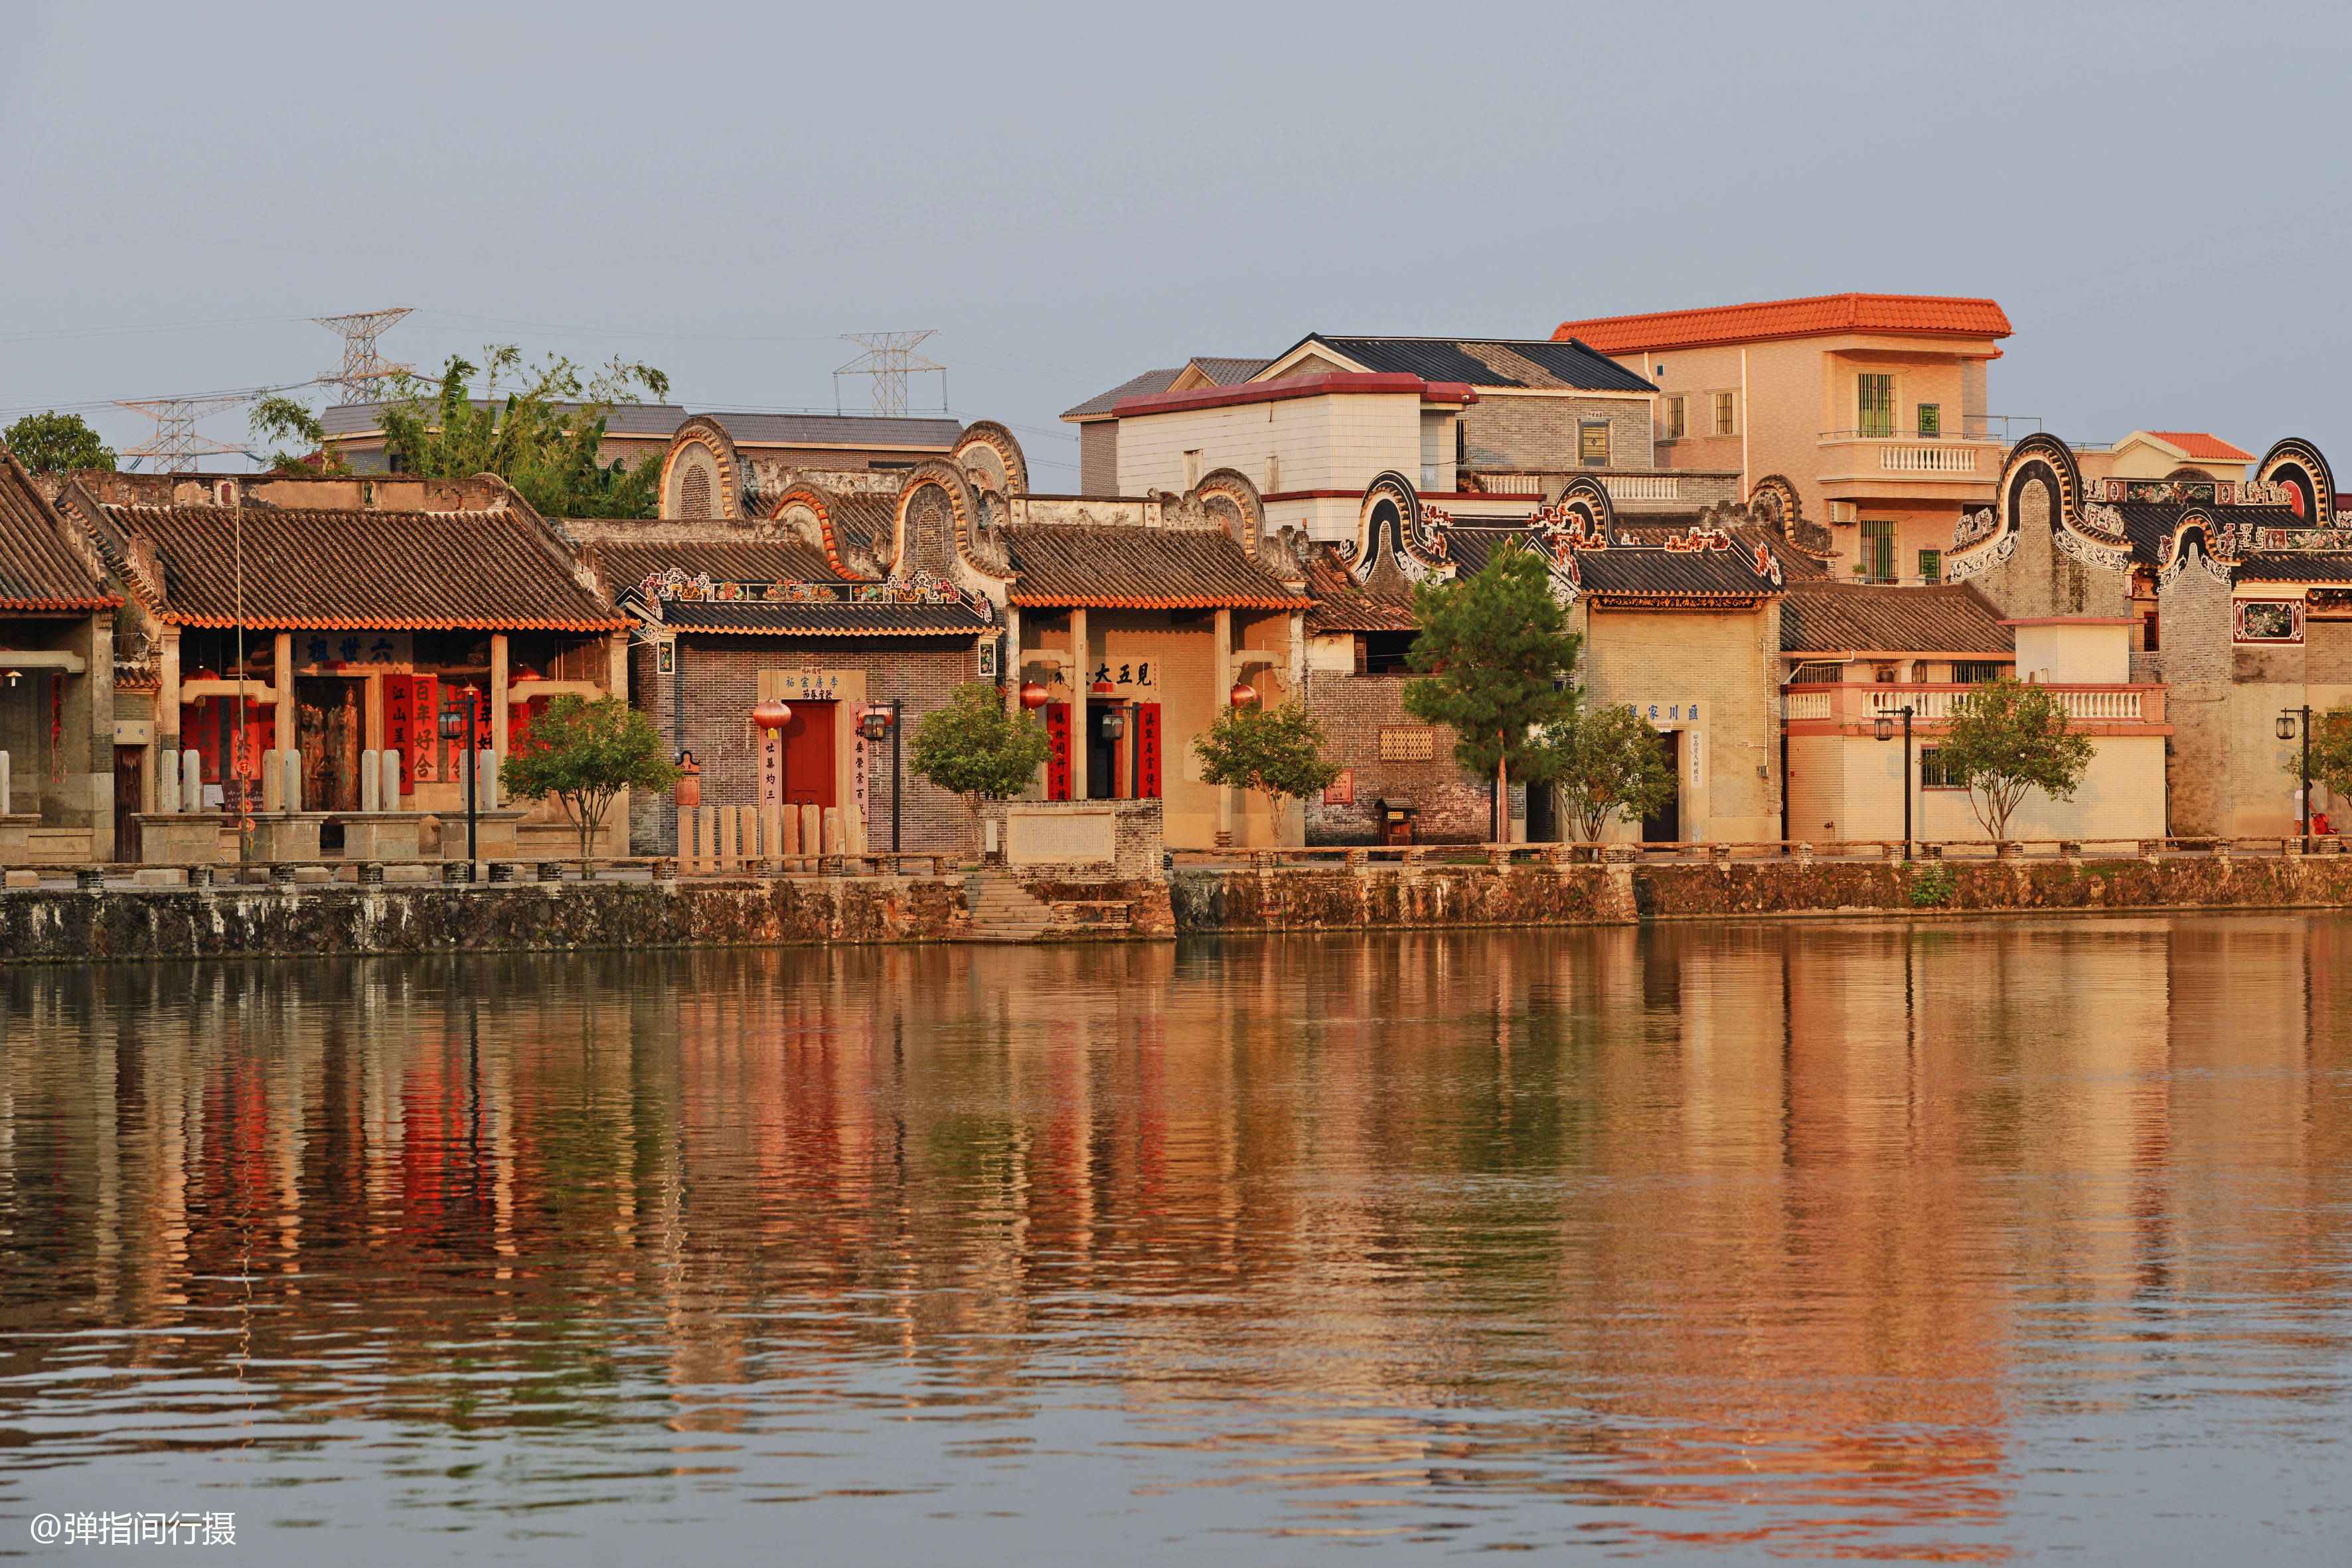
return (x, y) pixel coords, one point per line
(1592, 444)
(1675, 425)
(1931, 420)
(1931, 565)
(1875, 415)
(1723, 426)
(1933, 775)
(1878, 548)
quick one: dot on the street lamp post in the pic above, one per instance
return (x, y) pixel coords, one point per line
(874, 724)
(1885, 729)
(2289, 721)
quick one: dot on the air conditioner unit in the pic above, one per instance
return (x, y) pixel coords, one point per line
(1845, 511)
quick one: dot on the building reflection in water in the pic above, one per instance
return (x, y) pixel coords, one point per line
(1731, 1236)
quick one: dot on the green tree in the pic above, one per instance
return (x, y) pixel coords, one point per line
(45, 443)
(1607, 763)
(585, 754)
(1494, 652)
(2331, 753)
(2006, 738)
(975, 750)
(277, 418)
(544, 438)
(1276, 751)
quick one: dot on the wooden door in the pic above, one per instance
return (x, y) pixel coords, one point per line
(808, 755)
(130, 799)
(327, 730)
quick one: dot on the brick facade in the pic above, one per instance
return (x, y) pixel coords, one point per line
(719, 679)
(1501, 431)
(1353, 709)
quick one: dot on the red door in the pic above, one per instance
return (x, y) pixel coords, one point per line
(808, 755)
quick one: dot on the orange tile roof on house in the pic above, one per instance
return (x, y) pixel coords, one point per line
(1912, 315)
(1138, 568)
(2199, 444)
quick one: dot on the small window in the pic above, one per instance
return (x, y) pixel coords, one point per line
(1931, 565)
(1592, 443)
(1878, 548)
(1678, 424)
(1933, 775)
(1966, 672)
(1407, 743)
(1874, 409)
(1723, 414)
(1931, 421)
(1826, 672)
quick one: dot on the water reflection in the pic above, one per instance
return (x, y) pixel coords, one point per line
(1963, 1243)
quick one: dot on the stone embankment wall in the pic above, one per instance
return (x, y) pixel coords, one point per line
(1304, 899)
(242, 921)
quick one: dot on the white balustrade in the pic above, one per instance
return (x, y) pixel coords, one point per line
(1805, 705)
(1928, 460)
(1643, 487)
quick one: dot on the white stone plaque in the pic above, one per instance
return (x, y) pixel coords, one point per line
(1060, 838)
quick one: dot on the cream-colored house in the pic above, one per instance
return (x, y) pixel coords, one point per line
(2164, 455)
(1868, 412)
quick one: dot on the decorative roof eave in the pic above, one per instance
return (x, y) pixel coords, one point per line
(751, 631)
(331, 622)
(1675, 599)
(1160, 602)
(60, 606)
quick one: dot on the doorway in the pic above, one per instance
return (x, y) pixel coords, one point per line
(1543, 821)
(130, 800)
(808, 755)
(327, 731)
(1665, 826)
(1102, 753)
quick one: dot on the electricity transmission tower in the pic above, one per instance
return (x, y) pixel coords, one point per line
(889, 358)
(175, 446)
(363, 370)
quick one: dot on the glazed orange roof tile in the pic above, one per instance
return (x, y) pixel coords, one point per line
(1911, 315)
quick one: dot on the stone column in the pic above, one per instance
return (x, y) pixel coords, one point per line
(498, 693)
(1010, 663)
(167, 694)
(283, 724)
(1078, 716)
(1219, 702)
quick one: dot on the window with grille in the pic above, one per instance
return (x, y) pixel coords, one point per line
(1874, 413)
(1934, 775)
(1931, 420)
(1966, 673)
(1676, 423)
(1878, 548)
(1592, 443)
(1821, 673)
(1407, 743)
(1723, 420)
(1931, 565)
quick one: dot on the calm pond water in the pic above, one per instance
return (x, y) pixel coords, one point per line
(1985, 1242)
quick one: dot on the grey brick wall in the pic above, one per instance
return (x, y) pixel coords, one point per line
(1098, 458)
(722, 682)
(1506, 431)
(1352, 709)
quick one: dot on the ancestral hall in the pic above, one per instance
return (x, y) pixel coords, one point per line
(334, 616)
(59, 732)
(2235, 594)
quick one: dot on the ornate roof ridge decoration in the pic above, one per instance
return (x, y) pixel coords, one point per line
(1773, 502)
(1238, 488)
(803, 490)
(923, 587)
(704, 430)
(2296, 462)
(1411, 545)
(1006, 450)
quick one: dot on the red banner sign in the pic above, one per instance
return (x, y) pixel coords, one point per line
(1147, 751)
(1057, 758)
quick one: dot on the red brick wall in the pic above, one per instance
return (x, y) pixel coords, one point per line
(721, 682)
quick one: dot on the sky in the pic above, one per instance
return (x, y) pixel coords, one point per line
(1071, 194)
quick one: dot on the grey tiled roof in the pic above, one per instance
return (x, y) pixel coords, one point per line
(1535, 363)
(1143, 386)
(1826, 617)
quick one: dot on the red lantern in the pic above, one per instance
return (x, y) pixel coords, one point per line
(1243, 694)
(1033, 696)
(772, 714)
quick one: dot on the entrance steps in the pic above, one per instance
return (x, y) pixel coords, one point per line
(1001, 910)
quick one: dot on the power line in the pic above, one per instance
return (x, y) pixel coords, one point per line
(889, 359)
(361, 375)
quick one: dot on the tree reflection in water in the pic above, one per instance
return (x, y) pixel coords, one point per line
(1811, 1239)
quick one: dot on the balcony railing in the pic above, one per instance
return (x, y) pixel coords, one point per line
(1643, 487)
(1858, 703)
